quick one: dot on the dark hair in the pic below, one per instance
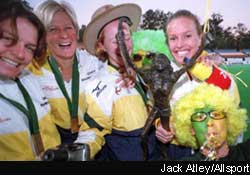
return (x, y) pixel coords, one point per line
(187, 14)
(13, 9)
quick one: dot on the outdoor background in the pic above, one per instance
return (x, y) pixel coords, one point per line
(229, 26)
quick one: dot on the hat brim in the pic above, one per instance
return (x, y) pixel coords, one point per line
(131, 11)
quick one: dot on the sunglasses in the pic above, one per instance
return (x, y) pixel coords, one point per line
(139, 57)
(201, 116)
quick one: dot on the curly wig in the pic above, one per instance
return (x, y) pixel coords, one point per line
(202, 96)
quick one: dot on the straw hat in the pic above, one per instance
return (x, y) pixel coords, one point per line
(106, 14)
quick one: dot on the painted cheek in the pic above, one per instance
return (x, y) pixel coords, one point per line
(200, 129)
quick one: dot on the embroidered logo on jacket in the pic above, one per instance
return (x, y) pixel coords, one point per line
(49, 88)
(4, 119)
(86, 78)
(90, 72)
(45, 101)
(99, 89)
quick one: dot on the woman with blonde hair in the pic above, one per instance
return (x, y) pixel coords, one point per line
(63, 74)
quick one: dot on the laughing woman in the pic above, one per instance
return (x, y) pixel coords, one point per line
(63, 74)
(26, 128)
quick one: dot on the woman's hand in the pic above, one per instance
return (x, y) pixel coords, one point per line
(127, 81)
(163, 135)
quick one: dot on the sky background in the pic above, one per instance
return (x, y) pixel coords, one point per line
(232, 11)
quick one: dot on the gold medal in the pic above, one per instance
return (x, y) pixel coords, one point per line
(38, 144)
(74, 125)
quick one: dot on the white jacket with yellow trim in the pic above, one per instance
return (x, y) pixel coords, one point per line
(122, 109)
(184, 85)
(88, 66)
(15, 138)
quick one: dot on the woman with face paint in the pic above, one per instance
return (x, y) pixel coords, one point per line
(26, 127)
(209, 121)
(184, 37)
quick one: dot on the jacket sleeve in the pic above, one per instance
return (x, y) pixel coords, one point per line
(94, 127)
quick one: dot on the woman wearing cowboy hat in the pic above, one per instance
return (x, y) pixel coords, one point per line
(124, 109)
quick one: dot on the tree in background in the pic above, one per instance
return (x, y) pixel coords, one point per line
(81, 31)
(80, 37)
(154, 20)
(241, 36)
(237, 37)
(216, 31)
(229, 39)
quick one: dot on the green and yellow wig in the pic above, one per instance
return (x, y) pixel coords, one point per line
(201, 97)
(149, 41)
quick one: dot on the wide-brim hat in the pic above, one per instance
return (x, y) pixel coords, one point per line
(106, 14)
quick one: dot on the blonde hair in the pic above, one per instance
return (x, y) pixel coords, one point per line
(201, 97)
(46, 10)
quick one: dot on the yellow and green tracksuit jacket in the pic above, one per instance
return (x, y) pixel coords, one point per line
(88, 66)
(123, 114)
(15, 136)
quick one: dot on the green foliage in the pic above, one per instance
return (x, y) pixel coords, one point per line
(81, 31)
(154, 20)
(234, 37)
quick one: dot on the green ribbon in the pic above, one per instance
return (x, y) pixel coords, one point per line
(30, 112)
(72, 105)
(138, 87)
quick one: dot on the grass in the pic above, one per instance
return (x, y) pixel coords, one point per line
(243, 90)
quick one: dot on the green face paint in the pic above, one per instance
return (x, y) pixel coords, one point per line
(200, 119)
(199, 123)
(200, 129)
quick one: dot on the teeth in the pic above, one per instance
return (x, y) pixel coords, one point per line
(10, 62)
(64, 44)
(182, 53)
